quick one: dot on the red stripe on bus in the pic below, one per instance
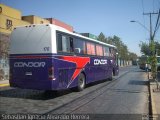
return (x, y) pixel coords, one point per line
(81, 62)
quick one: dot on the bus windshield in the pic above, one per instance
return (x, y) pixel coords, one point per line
(30, 39)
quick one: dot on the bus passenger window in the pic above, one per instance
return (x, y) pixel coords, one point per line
(110, 52)
(79, 46)
(59, 40)
(91, 48)
(106, 51)
(63, 43)
(71, 44)
(99, 50)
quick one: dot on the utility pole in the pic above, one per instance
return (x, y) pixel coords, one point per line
(153, 58)
(150, 15)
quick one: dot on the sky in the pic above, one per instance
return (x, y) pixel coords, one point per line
(111, 17)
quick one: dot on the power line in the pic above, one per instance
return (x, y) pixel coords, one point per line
(150, 15)
(157, 24)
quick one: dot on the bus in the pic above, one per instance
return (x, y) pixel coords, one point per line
(49, 57)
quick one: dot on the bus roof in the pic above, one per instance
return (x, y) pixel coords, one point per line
(58, 28)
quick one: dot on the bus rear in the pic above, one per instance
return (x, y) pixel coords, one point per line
(31, 65)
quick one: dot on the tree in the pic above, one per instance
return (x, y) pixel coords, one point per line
(132, 56)
(157, 45)
(146, 50)
(121, 47)
(102, 37)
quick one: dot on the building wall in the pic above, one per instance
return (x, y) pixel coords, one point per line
(7, 28)
(60, 23)
(10, 18)
(11, 12)
(34, 19)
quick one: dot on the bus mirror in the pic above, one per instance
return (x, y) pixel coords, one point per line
(77, 50)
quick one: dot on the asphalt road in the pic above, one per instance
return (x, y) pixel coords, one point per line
(126, 95)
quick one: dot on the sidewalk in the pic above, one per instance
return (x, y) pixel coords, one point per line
(4, 83)
(155, 100)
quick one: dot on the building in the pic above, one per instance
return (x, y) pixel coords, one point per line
(32, 19)
(60, 23)
(9, 18)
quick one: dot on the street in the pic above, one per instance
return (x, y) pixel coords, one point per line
(125, 94)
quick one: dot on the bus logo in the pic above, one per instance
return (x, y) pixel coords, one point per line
(100, 62)
(29, 64)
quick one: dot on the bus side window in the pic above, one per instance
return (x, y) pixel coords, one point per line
(99, 50)
(64, 43)
(106, 51)
(71, 44)
(90, 48)
(110, 52)
(59, 40)
(79, 46)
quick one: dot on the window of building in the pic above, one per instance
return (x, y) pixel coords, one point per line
(8, 23)
(106, 51)
(79, 46)
(90, 48)
(0, 9)
(99, 50)
(41, 22)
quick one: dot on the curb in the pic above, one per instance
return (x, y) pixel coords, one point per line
(4, 85)
(153, 105)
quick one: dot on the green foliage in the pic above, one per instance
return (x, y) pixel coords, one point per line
(147, 50)
(102, 37)
(153, 63)
(121, 47)
(133, 56)
(157, 46)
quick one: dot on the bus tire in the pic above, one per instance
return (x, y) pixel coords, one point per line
(81, 82)
(111, 78)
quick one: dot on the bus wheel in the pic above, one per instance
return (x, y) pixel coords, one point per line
(111, 78)
(81, 82)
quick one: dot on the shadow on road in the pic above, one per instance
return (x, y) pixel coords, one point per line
(127, 91)
(139, 70)
(138, 82)
(38, 94)
(32, 94)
